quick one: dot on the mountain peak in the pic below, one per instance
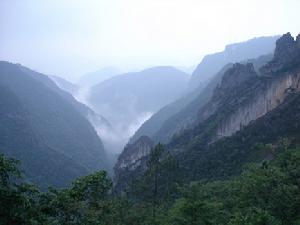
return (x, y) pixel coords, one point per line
(286, 55)
(286, 48)
(298, 40)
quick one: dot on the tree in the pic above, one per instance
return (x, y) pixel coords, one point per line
(18, 200)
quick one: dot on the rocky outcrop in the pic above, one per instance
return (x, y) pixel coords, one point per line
(131, 157)
(286, 55)
(132, 162)
(234, 77)
(298, 40)
(181, 114)
(268, 98)
(242, 97)
(236, 80)
(279, 78)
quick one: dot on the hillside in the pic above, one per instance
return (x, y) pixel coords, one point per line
(179, 114)
(232, 53)
(65, 85)
(127, 100)
(246, 109)
(98, 76)
(60, 141)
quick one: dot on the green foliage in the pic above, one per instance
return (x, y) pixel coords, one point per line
(92, 188)
(8, 170)
(160, 180)
(264, 194)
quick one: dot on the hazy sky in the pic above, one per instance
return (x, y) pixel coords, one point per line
(72, 37)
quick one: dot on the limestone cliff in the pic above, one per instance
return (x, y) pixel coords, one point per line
(279, 78)
(272, 94)
(130, 158)
(243, 96)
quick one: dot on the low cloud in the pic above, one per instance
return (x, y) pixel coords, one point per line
(123, 123)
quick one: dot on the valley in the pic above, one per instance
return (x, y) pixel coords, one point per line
(110, 115)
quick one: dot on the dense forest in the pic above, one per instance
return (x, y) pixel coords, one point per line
(266, 193)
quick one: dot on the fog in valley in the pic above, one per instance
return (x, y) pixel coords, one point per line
(149, 112)
(120, 128)
(126, 101)
(126, 61)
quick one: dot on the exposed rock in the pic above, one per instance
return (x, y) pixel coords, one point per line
(236, 80)
(235, 76)
(249, 102)
(286, 55)
(298, 40)
(131, 157)
(233, 53)
(132, 162)
(272, 94)
(242, 98)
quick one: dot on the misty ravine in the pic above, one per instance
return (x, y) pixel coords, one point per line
(149, 112)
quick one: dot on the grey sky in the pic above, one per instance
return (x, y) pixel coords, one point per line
(72, 37)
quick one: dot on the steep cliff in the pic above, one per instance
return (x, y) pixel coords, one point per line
(244, 95)
(269, 97)
(130, 157)
(280, 77)
(242, 98)
(187, 116)
(134, 156)
(179, 115)
(232, 53)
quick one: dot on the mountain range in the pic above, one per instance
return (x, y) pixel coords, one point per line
(176, 116)
(46, 128)
(249, 108)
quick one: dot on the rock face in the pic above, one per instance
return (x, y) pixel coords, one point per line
(232, 53)
(235, 76)
(239, 116)
(133, 158)
(249, 96)
(234, 81)
(286, 55)
(265, 100)
(181, 114)
(242, 97)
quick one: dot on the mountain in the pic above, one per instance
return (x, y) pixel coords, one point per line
(129, 99)
(100, 123)
(45, 128)
(65, 85)
(98, 76)
(247, 109)
(232, 53)
(179, 114)
(145, 91)
(187, 69)
(131, 158)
